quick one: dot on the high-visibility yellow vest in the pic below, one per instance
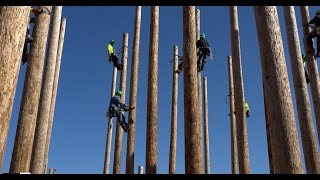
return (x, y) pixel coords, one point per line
(246, 106)
(110, 49)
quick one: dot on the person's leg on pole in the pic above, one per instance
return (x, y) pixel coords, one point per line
(199, 60)
(307, 76)
(309, 41)
(115, 61)
(180, 66)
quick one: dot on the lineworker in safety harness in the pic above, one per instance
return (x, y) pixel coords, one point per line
(112, 56)
(305, 70)
(315, 32)
(29, 39)
(116, 107)
(246, 106)
(203, 50)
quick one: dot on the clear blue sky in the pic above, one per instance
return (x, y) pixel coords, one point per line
(79, 129)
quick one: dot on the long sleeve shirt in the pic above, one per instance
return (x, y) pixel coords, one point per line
(315, 21)
(202, 43)
(116, 102)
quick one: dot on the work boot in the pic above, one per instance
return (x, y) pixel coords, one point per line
(308, 81)
(124, 126)
(199, 67)
(119, 67)
(178, 71)
(24, 58)
(202, 66)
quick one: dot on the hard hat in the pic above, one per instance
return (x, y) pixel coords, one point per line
(203, 36)
(119, 92)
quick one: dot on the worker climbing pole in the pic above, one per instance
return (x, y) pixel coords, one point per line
(113, 56)
(284, 138)
(192, 122)
(54, 90)
(117, 108)
(312, 67)
(174, 115)
(247, 109)
(14, 20)
(152, 101)
(39, 144)
(234, 162)
(133, 93)
(119, 132)
(308, 137)
(242, 135)
(22, 149)
(203, 49)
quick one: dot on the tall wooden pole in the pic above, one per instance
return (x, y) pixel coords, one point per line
(13, 23)
(234, 162)
(37, 162)
(174, 114)
(206, 126)
(54, 90)
(22, 149)
(133, 93)
(119, 131)
(312, 68)
(309, 144)
(192, 121)
(284, 137)
(109, 131)
(242, 135)
(152, 101)
(197, 12)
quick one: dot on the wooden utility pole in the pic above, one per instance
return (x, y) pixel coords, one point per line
(312, 67)
(206, 126)
(197, 12)
(234, 162)
(133, 93)
(54, 90)
(152, 101)
(174, 114)
(192, 121)
(109, 131)
(242, 135)
(284, 137)
(13, 23)
(37, 161)
(309, 144)
(123, 82)
(22, 149)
